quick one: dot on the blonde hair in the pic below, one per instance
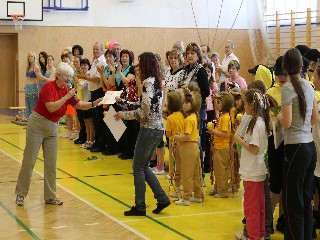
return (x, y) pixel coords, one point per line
(177, 55)
(28, 62)
(64, 69)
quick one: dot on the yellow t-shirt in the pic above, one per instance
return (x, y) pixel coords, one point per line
(275, 92)
(175, 124)
(191, 127)
(233, 111)
(223, 125)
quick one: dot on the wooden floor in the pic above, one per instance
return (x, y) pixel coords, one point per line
(95, 195)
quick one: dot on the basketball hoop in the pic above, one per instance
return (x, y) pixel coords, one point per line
(17, 19)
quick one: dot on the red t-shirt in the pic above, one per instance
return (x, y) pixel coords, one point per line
(50, 92)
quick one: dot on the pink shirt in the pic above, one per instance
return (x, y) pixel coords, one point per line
(240, 80)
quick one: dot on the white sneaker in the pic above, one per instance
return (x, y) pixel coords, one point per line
(197, 200)
(175, 194)
(74, 136)
(84, 145)
(219, 196)
(240, 236)
(182, 202)
(168, 176)
(67, 135)
(156, 171)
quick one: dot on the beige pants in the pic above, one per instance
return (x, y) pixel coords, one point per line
(40, 131)
(221, 164)
(191, 177)
(177, 175)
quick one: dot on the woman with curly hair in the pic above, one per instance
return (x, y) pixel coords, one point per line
(149, 111)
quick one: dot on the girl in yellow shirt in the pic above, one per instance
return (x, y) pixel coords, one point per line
(189, 151)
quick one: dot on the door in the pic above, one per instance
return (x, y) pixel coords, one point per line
(8, 80)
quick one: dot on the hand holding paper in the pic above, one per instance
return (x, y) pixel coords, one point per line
(116, 127)
(110, 97)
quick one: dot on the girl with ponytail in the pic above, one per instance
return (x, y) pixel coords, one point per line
(252, 162)
(298, 113)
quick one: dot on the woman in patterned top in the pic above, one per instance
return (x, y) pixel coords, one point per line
(149, 111)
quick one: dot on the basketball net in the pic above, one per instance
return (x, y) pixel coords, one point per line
(17, 19)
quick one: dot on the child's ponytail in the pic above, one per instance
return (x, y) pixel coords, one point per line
(261, 108)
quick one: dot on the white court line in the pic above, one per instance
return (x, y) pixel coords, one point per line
(86, 202)
(186, 215)
(22, 230)
(91, 224)
(59, 227)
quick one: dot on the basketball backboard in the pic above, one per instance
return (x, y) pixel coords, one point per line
(31, 9)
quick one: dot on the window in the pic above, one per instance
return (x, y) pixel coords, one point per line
(285, 6)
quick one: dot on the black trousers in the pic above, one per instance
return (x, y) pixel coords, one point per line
(83, 132)
(100, 128)
(298, 169)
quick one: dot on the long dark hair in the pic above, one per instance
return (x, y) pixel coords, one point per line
(292, 64)
(43, 66)
(149, 67)
(260, 108)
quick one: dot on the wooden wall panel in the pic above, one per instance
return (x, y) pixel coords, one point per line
(7, 71)
(54, 39)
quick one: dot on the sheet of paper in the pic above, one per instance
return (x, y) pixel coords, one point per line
(117, 128)
(101, 61)
(278, 133)
(110, 97)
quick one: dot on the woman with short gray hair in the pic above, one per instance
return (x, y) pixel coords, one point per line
(42, 130)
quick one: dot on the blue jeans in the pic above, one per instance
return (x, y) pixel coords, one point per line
(31, 98)
(147, 141)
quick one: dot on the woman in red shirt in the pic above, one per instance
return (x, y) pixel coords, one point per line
(42, 130)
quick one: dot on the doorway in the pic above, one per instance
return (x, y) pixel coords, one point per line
(8, 70)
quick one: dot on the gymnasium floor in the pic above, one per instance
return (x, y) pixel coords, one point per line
(95, 195)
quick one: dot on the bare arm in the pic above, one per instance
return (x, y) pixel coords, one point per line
(87, 105)
(93, 79)
(104, 82)
(285, 116)
(217, 132)
(54, 106)
(249, 147)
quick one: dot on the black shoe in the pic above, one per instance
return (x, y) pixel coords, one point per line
(153, 163)
(160, 207)
(92, 147)
(97, 149)
(134, 212)
(281, 224)
(78, 141)
(107, 152)
(125, 157)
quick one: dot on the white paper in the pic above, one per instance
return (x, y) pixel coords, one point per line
(101, 61)
(278, 132)
(117, 128)
(110, 97)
